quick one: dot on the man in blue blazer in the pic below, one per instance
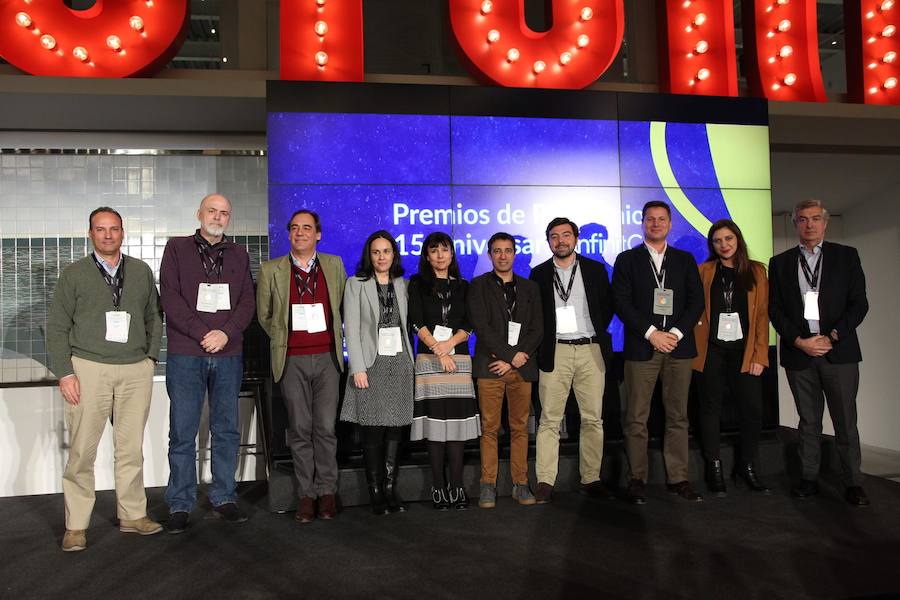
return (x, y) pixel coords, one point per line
(817, 299)
(658, 294)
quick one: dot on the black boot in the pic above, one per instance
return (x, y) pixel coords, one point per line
(747, 474)
(715, 480)
(375, 478)
(394, 502)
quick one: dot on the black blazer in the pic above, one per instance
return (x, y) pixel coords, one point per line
(596, 286)
(633, 284)
(842, 303)
(487, 314)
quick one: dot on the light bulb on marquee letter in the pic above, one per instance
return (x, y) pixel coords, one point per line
(136, 23)
(583, 40)
(114, 43)
(321, 58)
(493, 36)
(565, 58)
(80, 53)
(784, 25)
(486, 7)
(539, 66)
(785, 51)
(703, 74)
(23, 20)
(321, 28)
(890, 83)
(48, 41)
(790, 79)
(701, 47)
(586, 13)
(512, 55)
(889, 57)
(888, 31)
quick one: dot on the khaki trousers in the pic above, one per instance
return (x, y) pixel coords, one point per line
(490, 401)
(579, 368)
(123, 392)
(640, 381)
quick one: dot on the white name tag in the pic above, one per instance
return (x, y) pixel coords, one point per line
(730, 327)
(223, 296)
(298, 317)
(390, 341)
(117, 324)
(662, 301)
(207, 298)
(512, 333)
(811, 306)
(565, 320)
(315, 317)
(443, 334)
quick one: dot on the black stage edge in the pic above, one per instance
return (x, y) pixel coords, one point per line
(740, 546)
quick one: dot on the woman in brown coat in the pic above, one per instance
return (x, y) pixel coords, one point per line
(732, 339)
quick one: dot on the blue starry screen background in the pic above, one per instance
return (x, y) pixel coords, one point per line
(472, 176)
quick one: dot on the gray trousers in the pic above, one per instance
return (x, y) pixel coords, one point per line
(837, 385)
(310, 389)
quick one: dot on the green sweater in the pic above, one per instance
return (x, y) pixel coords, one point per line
(77, 320)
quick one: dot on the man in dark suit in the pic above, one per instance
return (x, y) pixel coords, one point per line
(577, 310)
(505, 311)
(658, 294)
(817, 299)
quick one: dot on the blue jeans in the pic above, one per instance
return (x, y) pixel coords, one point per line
(188, 379)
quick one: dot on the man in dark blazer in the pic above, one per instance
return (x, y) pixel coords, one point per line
(577, 309)
(658, 294)
(505, 311)
(817, 299)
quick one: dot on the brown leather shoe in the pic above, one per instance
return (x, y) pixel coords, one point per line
(597, 490)
(74, 540)
(327, 507)
(143, 526)
(306, 510)
(684, 489)
(543, 493)
(636, 492)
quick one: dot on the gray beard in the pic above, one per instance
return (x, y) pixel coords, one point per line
(213, 230)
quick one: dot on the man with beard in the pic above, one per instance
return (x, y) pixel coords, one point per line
(577, 309)
(207, 295)
(658, 294)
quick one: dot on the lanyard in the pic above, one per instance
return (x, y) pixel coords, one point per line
(659, 275)
(812, 278)
(386, 302)
(510, 294)
(557, 282)
(115, 282)
(446, 304)
(727, 288)
(303, 284)
(210, 264)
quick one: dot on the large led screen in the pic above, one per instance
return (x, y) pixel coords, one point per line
(367, 165)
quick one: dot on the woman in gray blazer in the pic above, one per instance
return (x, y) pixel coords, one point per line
(379, 394)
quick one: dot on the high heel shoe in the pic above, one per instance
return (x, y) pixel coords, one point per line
(458, 498)
(715, 480)
(440, 499)
(747, 474)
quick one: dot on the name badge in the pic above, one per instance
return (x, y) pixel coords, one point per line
(390, 341)
(512, 333)
(662, 301)
(811, 306)
(117, 324)
(730, 327)
(223, 296)
(207, 298)
(565, 320)
(298, 317)
(442, 334)
(315, 317)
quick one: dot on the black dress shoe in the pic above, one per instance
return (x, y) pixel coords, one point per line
(636, 493)
(747, 474)
(597, 490)
(715, 479)
(178, 522)
(806, 488)
(440, 499)
(857, 496)
(684, 489)
(230, 513)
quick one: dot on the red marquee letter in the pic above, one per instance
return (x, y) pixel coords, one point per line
(322, 40)
(572, 54)
(782, 50)
(872, 49)
(118, 38)
(697, 53)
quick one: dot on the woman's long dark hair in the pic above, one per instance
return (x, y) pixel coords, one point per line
(743, 266)
(366, 270)
(426, 272)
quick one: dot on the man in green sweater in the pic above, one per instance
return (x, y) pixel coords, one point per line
(104, 333)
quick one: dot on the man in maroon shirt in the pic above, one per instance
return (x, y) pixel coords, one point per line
(207, 295)
(299, 305)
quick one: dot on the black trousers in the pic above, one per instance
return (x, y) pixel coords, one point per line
(723, 381)
(837, 385)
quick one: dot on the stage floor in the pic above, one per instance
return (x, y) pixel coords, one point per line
(741, 546)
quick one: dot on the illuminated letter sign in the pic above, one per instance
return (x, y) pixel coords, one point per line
(782, 50)
(322, 40)
(872, 47)
(697, 54)
(114, 38)
(581, 43)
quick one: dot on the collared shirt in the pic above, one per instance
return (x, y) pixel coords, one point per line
(578, 299)
(811, 258)
(658, 258)
(111, 269)
(309, 264)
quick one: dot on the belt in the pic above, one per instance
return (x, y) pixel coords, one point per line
(579, 341)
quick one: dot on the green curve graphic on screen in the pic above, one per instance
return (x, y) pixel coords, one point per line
(666, 176)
